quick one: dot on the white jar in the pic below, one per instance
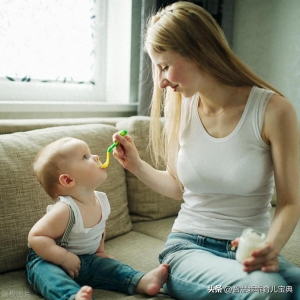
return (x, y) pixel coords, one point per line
(250, 240)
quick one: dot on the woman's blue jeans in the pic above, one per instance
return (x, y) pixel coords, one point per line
(205, 268)
(53, 282)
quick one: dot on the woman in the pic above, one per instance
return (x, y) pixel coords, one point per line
(229, 138)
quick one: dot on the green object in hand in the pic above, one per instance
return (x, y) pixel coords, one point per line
(110, 148)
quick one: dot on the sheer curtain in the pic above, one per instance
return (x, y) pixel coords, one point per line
(145, 76)
(47, 41)
(63, 43)
(68, 58)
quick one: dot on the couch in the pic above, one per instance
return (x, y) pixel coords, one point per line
(140, 219)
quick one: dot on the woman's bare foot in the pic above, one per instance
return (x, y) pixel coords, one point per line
(152, 281)
(85, 293)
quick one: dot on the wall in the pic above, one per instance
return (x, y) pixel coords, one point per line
(266, 36)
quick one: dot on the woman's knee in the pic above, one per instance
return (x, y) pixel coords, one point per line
(254, 286)
(259, 278)
(266, 286)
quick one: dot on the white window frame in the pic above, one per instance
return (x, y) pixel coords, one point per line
(37, 99)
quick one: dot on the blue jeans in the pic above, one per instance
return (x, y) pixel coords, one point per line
(205, 268)
(53, 282)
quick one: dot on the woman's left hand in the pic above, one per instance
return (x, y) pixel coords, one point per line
(264, 259)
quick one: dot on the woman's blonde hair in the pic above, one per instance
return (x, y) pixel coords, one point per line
(191, 31)
(48, 165)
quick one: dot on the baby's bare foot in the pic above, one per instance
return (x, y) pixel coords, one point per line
(85, 293)
(151, 282)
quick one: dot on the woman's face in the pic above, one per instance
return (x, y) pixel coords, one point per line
(177, 72)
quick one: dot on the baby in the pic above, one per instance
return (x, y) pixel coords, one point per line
(69, 173)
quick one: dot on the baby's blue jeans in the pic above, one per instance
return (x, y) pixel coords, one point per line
(205, 268)
(53, 282)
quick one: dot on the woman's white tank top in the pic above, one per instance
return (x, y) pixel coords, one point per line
(228, 182)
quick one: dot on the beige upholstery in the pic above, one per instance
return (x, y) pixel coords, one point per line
(140, 220)
(11, 126)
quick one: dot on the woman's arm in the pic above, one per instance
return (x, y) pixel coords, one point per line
(283, 134)
(281, 131)
(41, 239)
(160, 181)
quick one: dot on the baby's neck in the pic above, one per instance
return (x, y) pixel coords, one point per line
(84, 197)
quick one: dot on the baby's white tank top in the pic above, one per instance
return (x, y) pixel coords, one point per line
(228, 182)
(86, 240)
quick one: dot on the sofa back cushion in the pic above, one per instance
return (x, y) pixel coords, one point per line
(22, 199)
(21, 125)
(145, 204)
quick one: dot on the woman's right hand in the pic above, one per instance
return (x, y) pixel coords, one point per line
(126, 153)
(159, 181)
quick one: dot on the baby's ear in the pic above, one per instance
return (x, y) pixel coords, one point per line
(66, 180)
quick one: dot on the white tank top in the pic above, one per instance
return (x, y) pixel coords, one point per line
(86, 240)
(228, 182)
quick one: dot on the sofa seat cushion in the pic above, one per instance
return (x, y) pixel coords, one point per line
(144, 204)
(138, 250)
(159, 229)
(22, 199)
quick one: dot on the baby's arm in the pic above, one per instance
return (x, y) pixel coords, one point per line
(42, 239)
(100, 251)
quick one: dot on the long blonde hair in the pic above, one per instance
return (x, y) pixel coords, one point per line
(191, 31)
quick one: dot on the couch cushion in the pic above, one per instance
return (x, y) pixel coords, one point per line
(20, 125)
(159, 229)
(144, 203)
(22, 199)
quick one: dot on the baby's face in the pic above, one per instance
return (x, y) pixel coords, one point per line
(84, 166)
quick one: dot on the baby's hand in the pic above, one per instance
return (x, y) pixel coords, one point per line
(71, 264)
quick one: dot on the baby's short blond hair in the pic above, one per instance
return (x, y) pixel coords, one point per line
(49, 164)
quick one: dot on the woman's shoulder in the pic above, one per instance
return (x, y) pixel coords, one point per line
(280, 117)
(279, 107)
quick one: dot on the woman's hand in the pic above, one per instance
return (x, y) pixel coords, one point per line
(264, 259)
(161, 182)
(71, 265)
(126, 153)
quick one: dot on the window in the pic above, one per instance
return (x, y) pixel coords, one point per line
(48, 42)
(65, 55)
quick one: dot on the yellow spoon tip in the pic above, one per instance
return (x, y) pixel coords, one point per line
(105, 165)
(110, 148)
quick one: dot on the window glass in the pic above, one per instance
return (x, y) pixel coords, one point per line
(47, 40)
